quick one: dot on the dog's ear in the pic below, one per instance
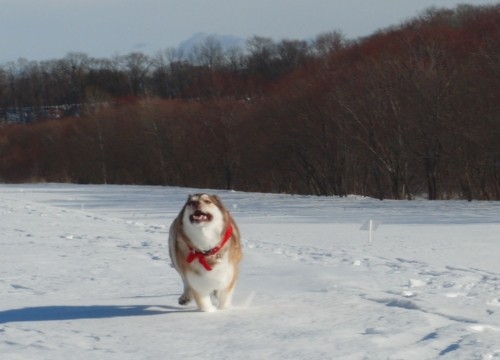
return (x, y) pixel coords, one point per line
(219, 202)
(181, 213)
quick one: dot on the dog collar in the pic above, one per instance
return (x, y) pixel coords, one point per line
(202, 255)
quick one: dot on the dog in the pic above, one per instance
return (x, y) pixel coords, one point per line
(205, 249)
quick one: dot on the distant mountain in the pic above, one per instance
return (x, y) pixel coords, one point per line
(226, 41)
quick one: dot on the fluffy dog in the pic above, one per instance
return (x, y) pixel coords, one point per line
(205, 249)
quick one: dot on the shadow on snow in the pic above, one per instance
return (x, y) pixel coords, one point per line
(54, 313)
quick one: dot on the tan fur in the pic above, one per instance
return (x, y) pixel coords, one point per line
(179, 249)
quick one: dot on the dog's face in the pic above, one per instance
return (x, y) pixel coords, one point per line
(203, 209)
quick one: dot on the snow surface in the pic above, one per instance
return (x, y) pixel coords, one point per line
(85, 274)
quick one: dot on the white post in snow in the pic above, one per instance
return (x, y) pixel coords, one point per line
(371, 226)
(370, 231)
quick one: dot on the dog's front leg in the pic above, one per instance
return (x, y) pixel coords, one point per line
(224, 296)
(186, 296)
(203, 301)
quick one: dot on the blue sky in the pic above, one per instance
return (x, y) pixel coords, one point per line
(49, 29)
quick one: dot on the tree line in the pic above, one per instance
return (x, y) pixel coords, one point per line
(412, 110)
(207, 70)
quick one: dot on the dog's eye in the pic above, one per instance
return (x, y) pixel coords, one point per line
(206, 201)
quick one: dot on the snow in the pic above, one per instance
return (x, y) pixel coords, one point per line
(84, 273)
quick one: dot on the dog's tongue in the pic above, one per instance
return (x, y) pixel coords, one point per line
(200, 215)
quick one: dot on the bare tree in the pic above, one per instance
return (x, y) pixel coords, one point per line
(328, 43)
(211, 54)
(137, 66)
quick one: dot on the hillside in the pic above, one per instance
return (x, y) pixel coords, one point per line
(411, 111)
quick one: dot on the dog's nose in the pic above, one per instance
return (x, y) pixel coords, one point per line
(194, 203)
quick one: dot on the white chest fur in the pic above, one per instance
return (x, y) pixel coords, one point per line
(205, 282)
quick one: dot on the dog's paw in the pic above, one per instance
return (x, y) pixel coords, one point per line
(208, 308)
(184, 300)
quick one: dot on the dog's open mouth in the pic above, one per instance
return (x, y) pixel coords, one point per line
(199, 216)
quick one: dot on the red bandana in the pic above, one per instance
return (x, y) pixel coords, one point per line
(202, 255)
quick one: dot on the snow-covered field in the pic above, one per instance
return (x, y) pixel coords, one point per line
(84, 274)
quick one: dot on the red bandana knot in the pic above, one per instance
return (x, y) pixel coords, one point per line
(202, 255)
